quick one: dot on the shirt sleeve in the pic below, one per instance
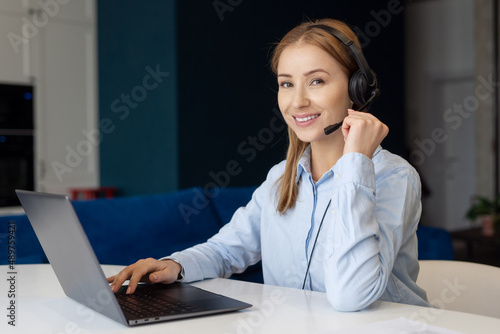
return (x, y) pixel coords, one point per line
(371, 219)
(235, 247)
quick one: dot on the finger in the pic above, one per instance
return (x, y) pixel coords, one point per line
(118, 279)
(138, 275)
(354, 112)
(361, 119)
(346, 126)
(361, 115)
(143, 267)
(168, 274)
(162, 276)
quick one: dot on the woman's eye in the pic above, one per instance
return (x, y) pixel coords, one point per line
(317, 81)
(286, 84)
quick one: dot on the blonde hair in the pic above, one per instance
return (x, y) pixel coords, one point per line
(287, 188)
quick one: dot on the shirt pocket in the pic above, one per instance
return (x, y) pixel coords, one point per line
(325, 245)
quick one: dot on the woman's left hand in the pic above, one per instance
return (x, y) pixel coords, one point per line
(363, 133)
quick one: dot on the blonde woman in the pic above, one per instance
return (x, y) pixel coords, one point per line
(340, 214)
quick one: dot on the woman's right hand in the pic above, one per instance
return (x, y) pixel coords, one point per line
(363, 133)
(147, 270)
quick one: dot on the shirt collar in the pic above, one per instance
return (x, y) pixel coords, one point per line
(304, 165)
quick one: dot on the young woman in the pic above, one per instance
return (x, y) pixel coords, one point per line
(339, 215)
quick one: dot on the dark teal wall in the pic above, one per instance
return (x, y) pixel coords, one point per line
(138, 95)
(229, 134)
(213, 120)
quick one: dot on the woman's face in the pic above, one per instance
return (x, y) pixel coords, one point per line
(312, 90)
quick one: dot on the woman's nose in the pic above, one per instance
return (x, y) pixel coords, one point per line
(300, 98)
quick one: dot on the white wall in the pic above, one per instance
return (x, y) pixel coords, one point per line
(52, 45)
(441, 106)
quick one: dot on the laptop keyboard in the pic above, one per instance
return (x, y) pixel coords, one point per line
(145, 303)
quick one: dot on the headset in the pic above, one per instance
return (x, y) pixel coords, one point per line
(363, 85)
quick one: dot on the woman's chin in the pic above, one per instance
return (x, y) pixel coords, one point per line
(316, 137)
(308, 138)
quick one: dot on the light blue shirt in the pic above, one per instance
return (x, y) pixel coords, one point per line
(367, 246)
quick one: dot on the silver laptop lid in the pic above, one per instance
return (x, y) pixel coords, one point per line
(69, 252)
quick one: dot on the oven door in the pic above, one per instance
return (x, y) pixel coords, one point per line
(16, 165)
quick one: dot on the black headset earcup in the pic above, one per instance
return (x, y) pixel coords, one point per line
(358, 89)
(363, 86)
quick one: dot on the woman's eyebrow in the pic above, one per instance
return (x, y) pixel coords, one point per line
(305, 74)
(315, 71)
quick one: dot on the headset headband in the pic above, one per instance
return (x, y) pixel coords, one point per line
(355, 50)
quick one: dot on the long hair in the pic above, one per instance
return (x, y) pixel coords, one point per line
(287, 188)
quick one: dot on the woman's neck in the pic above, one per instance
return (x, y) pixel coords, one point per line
(325, 154)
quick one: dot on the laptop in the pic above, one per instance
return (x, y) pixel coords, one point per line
(75, 264)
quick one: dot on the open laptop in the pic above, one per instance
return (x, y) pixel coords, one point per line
(74, 262)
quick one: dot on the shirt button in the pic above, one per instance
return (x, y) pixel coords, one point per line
(337, 176)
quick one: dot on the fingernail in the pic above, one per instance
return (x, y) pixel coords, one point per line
(129, 290)
(155, 277)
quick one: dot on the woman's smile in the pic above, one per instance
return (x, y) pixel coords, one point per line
(305, 119)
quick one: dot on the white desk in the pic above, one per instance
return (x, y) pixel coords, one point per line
(42, 307)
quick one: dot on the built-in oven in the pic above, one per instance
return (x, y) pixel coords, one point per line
(16, 142)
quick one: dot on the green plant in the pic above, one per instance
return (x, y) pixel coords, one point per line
(488, 210)
(483, 206)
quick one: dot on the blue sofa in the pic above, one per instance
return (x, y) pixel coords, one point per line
(125, 229)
